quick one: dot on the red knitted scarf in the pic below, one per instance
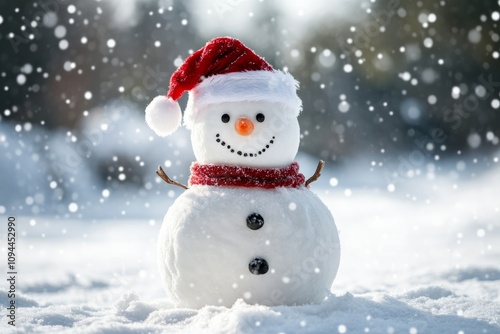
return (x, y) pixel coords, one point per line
(248, 177)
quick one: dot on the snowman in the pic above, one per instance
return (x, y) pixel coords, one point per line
(247, 226)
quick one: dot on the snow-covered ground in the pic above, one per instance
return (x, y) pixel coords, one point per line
(424, 258)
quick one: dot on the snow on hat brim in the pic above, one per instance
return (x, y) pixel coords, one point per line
(268, 86)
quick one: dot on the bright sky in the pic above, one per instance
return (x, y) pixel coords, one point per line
(237, 17)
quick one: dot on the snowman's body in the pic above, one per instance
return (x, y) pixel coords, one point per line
(249, 237)
(206, 246)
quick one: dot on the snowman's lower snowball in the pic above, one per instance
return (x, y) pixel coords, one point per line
(219, 244)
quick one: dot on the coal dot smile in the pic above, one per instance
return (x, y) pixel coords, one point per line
(241, 153)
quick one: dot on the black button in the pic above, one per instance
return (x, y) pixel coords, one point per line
(258, 266)
(255, 221)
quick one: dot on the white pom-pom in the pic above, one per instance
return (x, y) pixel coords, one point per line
(163, 115)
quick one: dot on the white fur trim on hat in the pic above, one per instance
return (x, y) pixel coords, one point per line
(163, 115)
(270, 86)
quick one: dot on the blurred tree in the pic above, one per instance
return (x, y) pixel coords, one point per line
(59, 60)
(396, 71)
(62, 62)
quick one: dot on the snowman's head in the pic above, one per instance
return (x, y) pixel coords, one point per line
(240, 110)
(250, 133)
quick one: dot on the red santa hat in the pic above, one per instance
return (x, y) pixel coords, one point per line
(224, 70)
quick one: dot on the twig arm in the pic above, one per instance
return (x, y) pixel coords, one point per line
(161, 173)
(316, 174)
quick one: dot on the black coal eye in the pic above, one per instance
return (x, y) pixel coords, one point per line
(260, 117)
(225, 118)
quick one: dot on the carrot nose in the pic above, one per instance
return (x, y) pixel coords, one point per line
(243, 126)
